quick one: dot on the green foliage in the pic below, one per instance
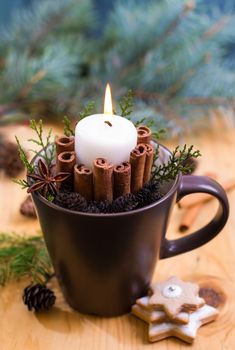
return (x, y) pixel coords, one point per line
(175, 61)
(177, 163)
(87, 110)
(24, 158)
(46, 152)
(126, 104)
(23, 256)
(22, 183)
(68, 130)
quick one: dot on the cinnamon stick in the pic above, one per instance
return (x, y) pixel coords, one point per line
(83, 181)
(197, 198)
(144, 134)
(64, 144)
(66, 162)
(122, 179)
(148, 163)
(103, 180)
(189, 217)
(137, 161)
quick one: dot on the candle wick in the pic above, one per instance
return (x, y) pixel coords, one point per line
(108, 123)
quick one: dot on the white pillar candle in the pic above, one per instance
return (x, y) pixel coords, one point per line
(103, 135)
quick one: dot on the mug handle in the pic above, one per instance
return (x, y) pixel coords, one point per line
(193, 184)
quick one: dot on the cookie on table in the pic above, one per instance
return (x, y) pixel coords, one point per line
(188, 332)
(174, 296)
(148, 314)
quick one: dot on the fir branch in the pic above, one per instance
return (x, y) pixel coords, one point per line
(68, 130)
(23, 183)
(177, 164)
(22, 256)
(126, 104)
(23, 157)
(87, 110)
(47, 153)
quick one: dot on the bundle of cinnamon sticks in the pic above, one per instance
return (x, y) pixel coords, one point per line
(106, 181)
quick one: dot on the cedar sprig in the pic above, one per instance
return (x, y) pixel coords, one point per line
(68, 130)
(87, 110)
(177, 164)
(47, 153)
(24, 256)
(126, 104)
(22, 183)
(23, 157)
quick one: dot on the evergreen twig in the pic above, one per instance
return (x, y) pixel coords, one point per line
(126, 104)
(23, 157)
(23, 256)
(87, 110)
(177, 164)
(47, 153)
(68, 130)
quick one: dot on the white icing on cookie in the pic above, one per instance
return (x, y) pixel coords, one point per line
(172, 291)
(186, 332)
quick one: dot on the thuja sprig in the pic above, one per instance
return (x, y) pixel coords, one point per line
(47, 153)
(87, 110)
(23, 256)
(126, 104)
(23, 157)
(177, 164)
(68, 130)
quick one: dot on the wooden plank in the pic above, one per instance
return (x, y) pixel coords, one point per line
(62, 328)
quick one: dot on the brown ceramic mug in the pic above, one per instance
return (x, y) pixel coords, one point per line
(104, 262)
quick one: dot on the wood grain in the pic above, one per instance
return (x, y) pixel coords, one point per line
(210, 265)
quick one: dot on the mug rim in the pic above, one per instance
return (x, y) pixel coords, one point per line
(102, 215)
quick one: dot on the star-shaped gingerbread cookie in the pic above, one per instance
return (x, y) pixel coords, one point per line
(174, 296)
(144, 311)
(186, 332)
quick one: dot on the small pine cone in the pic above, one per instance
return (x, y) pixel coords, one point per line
(104, 207)
(27, 208)
(72, 201)
(124, 203)
(10, 160)
(150, 193)
(93, 208)
(38, 297)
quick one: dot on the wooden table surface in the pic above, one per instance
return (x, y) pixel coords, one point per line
(64, 329)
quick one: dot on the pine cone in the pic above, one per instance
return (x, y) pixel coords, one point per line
(150, 193)
(9, 159)
(38, 297)
(72, 201)
(27, 208)
(124, 203)
(104, 207)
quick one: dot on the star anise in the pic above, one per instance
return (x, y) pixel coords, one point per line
(44, 181)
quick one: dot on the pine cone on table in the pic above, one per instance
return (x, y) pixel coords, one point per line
(27, 208)
(38, 297)
(9, 159)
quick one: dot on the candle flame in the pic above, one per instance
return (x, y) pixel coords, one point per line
(108, 106)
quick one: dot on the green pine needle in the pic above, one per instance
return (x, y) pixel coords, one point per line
(23, 256)
(177, 164)
(87, 110)
(47, 153)
(68, 130)
(126, 104)
(23, 157)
